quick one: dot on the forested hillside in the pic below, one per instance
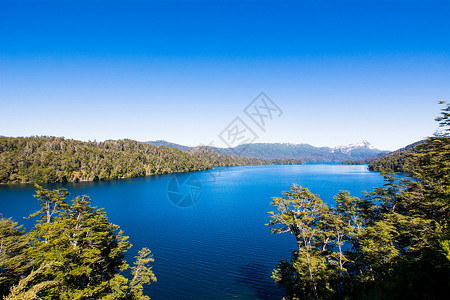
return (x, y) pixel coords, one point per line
(397, 161)
(53, 159)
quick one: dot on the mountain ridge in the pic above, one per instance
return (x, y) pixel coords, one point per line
(306, 152)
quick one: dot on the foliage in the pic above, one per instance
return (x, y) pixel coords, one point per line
(142, 273)
(392, 243)
(77, 252)
(398, 161)
(22, 291)
(52, 159)
(444, 120)
(13, 261)
(305, 216)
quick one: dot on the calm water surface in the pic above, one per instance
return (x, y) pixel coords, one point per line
(217, 248)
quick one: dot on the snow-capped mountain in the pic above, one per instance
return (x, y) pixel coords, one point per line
(348, 148)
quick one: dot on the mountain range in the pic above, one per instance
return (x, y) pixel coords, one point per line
(305, 152)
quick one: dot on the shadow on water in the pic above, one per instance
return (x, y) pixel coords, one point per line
(257, 277)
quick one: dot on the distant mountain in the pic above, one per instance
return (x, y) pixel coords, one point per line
(364, 161)
(225, 160)
(304, 152)
(168, 144)
(347, 149)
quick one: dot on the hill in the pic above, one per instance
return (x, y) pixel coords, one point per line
(52, 159)
(364, 161)
(168, 144)
(397, 161)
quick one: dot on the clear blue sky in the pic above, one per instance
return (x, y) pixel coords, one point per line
(341, 71)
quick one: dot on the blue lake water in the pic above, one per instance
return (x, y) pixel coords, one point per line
(206, 229)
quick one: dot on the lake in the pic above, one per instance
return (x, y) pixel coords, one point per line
(205, 229)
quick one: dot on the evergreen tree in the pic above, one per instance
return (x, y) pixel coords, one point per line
(306, 217)
(13, 261)
(142, 273)
(23, 290)
(90, 248)
(76, 253)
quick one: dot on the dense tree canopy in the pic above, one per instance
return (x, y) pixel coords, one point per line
(52, 159)
(394, 243)
(13, 260)
(73, 252)
(398, 161)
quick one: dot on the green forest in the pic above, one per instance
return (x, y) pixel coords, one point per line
(73, 252)
(393, 243)
(55, 159)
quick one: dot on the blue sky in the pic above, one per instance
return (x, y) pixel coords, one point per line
(341, 71)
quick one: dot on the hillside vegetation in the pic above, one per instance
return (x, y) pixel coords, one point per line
(401, 160)
(55, 159)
